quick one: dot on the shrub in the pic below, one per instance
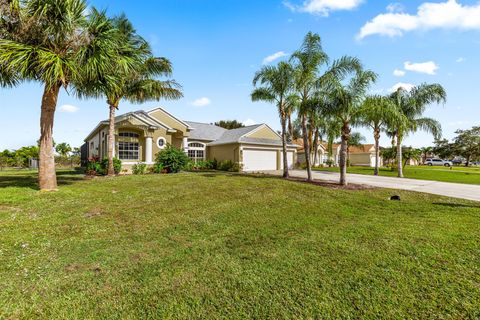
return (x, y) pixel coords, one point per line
(228, 165)
(97, 167)
(171, 159)
(329, 162)
(201, 165)
(139, 168)
(117, 165)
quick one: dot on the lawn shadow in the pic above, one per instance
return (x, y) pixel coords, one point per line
(456, 205)
(30, 179)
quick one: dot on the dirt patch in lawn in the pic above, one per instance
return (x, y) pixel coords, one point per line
(333, 185)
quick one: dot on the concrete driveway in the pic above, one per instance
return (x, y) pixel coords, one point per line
(454, 190)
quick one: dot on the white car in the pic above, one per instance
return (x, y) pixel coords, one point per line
(438, 162)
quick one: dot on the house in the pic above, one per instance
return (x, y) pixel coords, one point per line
(140, 135)
(363, 155)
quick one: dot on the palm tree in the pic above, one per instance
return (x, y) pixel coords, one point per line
(310, 85)
(50, 43)
(378, 113)
(348, 100)
(412, 105)
(131, 77)
(276, 87)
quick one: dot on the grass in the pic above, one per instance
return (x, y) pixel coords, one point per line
(470, 175)
(207, 246)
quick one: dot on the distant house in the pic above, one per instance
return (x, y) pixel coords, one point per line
(363, 155)
(140, 135)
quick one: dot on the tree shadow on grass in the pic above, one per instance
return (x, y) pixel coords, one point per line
(29, 179)
(456, 205)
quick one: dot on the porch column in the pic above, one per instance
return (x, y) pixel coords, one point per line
(148, 149)
(185, 144)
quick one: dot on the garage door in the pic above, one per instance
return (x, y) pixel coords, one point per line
(259, 160)
(289, 159)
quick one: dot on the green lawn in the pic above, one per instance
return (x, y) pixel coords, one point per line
(209, 246)
(470, 175)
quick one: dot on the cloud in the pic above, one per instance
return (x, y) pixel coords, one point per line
(428, 67)
(249, 122)
(69, 108)
(398, 73)
(323, 7)
(275, 56)
(445, 15)
(406, 86)
(395, 7)
(460, 60)
(201, 102)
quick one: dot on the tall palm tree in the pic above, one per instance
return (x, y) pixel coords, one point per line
(413, 104)
(51, 42)
(276, 86)
(378, 113)
(132, 76)
(348, 100)
(310, 83)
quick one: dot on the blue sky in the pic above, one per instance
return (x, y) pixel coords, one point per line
(217, 45)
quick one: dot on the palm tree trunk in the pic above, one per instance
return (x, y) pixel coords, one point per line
(47, 178)
(399, 156)
(315, 146)
(343, 154)
(290, 127)
(284, 146)
(111, 139)
(376, 136)
(306, 146)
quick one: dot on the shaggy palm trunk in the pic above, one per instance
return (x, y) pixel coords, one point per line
(376, 136)
(315, 146)
(343, 154)
(399, 157)
(47, 178)
(290, 127)
(284, 147)
(306, 146)
(111, 139)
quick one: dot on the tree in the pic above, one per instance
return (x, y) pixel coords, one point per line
(378, 113)
(63, 149)
(412, 105)
(50, 42)
(411, 154)
(467, 144)
(274, 84)
(229, 124)
(131, 76)
(348, 101)
(444, 149)
(425, 152)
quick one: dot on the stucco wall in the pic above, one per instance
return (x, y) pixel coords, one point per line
(264, 133)
(161, 116)
(224, 152)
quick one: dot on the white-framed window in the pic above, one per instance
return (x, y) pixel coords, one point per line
(128, 146)
(196, 151)
(161, 142)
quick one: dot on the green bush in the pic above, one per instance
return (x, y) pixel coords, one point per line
(228, 165)
(139, 168)
(171, 159)
(117, 165)
(201, 165)
(96, 167)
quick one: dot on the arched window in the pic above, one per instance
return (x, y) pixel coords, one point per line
(161, 142)
(196, 151)
(128, 146)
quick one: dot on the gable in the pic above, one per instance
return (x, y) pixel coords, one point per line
(164, 117)
(264, 132)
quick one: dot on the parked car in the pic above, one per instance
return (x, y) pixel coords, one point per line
(458, 162)
(438, 162)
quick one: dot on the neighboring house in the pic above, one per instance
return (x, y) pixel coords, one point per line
(140, 135)
(363, 155)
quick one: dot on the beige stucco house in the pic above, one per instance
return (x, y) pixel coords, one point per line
(140, 135)
(363, 155)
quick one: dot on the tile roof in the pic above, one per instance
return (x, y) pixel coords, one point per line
(205, 131)
(234, 135)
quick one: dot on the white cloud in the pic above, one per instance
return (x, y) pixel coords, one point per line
(406, 86)
(201, 102)
(323, 7)
(395, 7)
(444, 15)
(275, 56)
(428, 67)
(249, 122)
(398, 73)
(69, 108)
(460, 60)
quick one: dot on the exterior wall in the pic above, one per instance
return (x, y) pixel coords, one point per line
(264, 133)
(361, 159)
(224, 152)
(163, 117)
(157, 134)
(277, 149)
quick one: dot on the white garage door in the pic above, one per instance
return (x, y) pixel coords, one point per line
(289, 159)
(259, 160)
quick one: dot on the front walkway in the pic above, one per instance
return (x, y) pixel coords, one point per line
(454, 190)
